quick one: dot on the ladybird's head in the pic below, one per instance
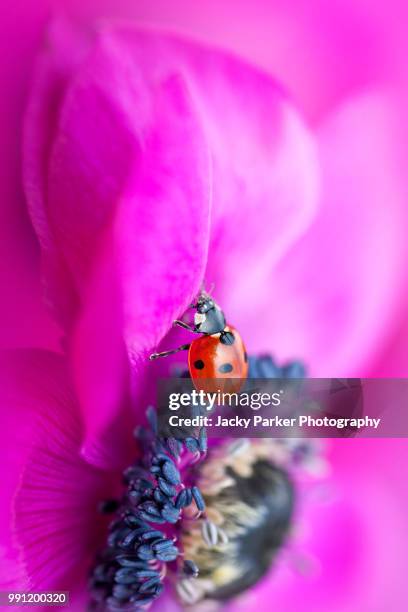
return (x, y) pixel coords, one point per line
(209, 318)
(204, 303)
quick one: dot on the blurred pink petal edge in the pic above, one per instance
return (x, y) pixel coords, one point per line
(338, 291)
(50, 490)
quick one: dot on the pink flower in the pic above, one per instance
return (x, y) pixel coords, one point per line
(349, 553)
(151, 163)
(129, 137)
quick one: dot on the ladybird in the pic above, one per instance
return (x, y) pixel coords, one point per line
(219, 352)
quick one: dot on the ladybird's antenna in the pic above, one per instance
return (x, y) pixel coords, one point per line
(200, 293)
(211, 289)
(203, 292)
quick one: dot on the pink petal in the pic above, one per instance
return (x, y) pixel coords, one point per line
(127, 208)
(350, 551)
(171, 220)
(333, 299)
(128, 192)
(320, 52)
(101, 369)
(265, 194)
(393, 361)
(49, 495)
(263, 156)
(22, 315)
(51, 76)
(129, 164)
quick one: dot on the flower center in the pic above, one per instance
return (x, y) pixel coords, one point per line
(209, 520)
(249, 504)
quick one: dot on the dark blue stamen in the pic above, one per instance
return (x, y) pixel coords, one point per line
(124, 578)
(143, 485)
(130, 538)
(120, 591)
(133, 521)
(170, 513)
(171, 473)
(134, 497)
(167, 489)
(264, 366)
(184, 498)
(162, 544)
(133, 473)
(145, 552)
(154, 519)
(190, 569)
(294, 369)
(152, 418)
(198, 498)
(127, 576)
(149, 585)
(202, 440)
(117, 537)
(168, 554)
(159, 458)
(150, 507)
(151, 535)
(160, 497)
(133, 562)
(174, 447)
(147, 574)
(192, 445)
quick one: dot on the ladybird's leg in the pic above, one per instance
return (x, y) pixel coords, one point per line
(178, 323)
(227, 337)
(183, 347)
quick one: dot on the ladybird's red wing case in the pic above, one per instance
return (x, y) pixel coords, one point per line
(209, 358)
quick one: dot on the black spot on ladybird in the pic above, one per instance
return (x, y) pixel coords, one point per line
(225, 368)
(199, 364)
